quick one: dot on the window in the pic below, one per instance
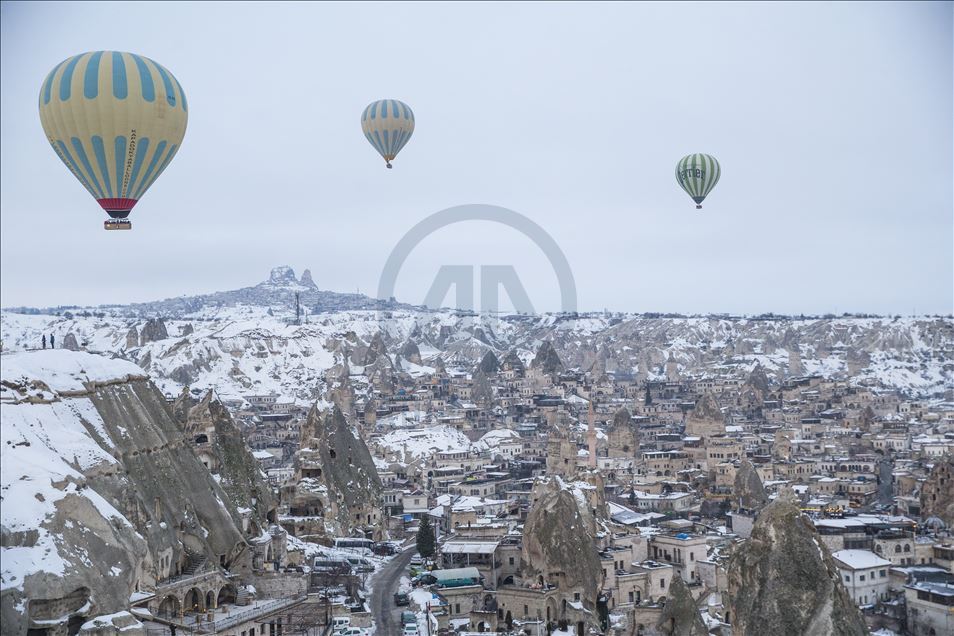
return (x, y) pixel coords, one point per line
(861, 577)
(511, 560)
(907, 547)
(576, 596)
(847, 579)
(882, 573)
(662, 583)
(457, 608)
(526, 611)
(692, 556)
(632, 597)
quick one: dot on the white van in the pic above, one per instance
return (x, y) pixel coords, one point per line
(340, 621)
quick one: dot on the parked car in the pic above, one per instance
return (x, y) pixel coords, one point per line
(408, 618)
(360, 564)
(417, 560)
(401, 599)
(410, 630)
(352, 631)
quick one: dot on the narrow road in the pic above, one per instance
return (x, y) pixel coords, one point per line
(386, 583)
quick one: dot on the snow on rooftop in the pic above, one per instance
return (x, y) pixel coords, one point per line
(495, 438)
(425, 442)
(860, 559)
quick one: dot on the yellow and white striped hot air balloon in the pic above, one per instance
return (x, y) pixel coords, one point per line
(388, 124)
(116, 120)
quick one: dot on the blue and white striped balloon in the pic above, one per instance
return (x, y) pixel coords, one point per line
(388, 124)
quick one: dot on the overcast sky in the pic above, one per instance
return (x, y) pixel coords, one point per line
(832, 123)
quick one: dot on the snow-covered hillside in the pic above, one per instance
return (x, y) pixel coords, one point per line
(248, 342)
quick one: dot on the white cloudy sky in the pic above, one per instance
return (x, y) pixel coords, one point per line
(833, 124)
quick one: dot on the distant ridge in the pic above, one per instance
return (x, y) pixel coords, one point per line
(278, 290)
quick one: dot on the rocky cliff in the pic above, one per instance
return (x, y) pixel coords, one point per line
(748, 492)
(338, 484)
(559, 540)
(706, 419)
(100, 494)
(783, 581)
(547, 359)
(237, 471)
(680, 616)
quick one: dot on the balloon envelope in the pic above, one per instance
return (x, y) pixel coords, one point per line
(697, 174)
(116, 120)
(388, 124)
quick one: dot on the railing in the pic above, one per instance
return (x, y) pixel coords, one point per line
(236, 618)
(181, 578)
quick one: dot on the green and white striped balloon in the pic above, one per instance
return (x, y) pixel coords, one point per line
(697, 174)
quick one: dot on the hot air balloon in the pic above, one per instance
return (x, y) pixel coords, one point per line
(116, 120)
(697, 174)
(388, 124)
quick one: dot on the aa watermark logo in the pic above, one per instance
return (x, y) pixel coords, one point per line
(461, 277)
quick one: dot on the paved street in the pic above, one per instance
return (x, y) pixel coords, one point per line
(386, 614)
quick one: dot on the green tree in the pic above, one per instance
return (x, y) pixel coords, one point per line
(425, 538)
(649, 396)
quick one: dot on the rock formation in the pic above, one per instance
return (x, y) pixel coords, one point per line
(489, 364)
(283, 275)
(547, 360)
(680, 616)
(937, 493)
(795, 366)
(69, 342)
(118, 501)
(219, 443)
(337, 483)
(706, 419)
(512, 362)
(559, 540)
(132, 338)
(755, 390)
(306, 280)
(153, 330)
(622, 435)
(411, 353)
(748, 493)
(783, 581)
(672, 369)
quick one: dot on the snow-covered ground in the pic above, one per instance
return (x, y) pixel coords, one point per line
(246, 349)
(43, 447)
